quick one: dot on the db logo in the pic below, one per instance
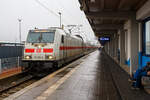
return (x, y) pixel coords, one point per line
(38, 50)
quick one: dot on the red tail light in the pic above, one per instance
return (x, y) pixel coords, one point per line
(29, 50)
(47, 50)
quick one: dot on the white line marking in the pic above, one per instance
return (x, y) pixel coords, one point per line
(51, 89)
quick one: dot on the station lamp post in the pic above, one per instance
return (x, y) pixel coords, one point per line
(20, 29)
(60, 18)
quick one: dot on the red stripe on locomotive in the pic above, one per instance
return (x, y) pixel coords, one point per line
(29, 50)
(47, 50)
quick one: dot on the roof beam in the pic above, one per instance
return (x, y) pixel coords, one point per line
(140, 4)
(102, 4)
(83, 5)
(92, 1)
(103, 35)
(97, 5)
(107, 26)
(121, 4)
(110, 15)
(105, 31)
(144, 11)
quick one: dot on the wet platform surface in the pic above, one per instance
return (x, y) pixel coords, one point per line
(92, 81)
(98, 77)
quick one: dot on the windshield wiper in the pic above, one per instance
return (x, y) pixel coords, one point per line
(40, 38)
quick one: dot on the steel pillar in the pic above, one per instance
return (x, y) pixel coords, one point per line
(134, 45)
(122, 46)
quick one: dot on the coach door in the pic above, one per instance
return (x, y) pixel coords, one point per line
(63, 46)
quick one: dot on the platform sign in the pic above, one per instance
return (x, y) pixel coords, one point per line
(103, 40)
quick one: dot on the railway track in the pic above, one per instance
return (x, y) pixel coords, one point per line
(15, 83)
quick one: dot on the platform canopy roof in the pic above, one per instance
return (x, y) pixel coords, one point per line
(107, 16)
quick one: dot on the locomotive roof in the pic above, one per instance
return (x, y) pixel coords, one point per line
(53, 29)
(43, 30)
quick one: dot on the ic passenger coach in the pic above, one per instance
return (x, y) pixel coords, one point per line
(51, 48)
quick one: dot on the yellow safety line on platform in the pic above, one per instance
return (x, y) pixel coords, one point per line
(51, 89)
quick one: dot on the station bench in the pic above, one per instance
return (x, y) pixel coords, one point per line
(146, 83)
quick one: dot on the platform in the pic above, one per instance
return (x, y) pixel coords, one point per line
(98, 77)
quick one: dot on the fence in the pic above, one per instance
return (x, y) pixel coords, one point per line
(9, 63)
(10, 56)
(10, 51)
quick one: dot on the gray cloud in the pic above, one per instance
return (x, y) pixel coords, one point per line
(34, 15)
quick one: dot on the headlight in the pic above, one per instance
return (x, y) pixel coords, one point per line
(27, 57)
(49, 57)
(39, 46)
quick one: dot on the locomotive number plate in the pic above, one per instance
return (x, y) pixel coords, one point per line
(38, 57)
(38, 50)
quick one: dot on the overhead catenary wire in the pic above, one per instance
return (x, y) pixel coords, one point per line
(49, 10)
(56, 13)
(73, 18)
(67, 12)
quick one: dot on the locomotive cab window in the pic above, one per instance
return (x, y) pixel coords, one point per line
(62, 39)
(147, 37)
(40, 37)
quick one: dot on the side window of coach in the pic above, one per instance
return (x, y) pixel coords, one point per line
(62, 39)
(147, 37)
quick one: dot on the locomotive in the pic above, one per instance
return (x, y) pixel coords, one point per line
(51, 48)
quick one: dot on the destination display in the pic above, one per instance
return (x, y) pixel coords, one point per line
(104, 39)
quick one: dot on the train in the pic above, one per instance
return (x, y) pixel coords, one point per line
(51, 48)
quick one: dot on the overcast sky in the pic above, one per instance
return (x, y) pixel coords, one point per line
(34, 15)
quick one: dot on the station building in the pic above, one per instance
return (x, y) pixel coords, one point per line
(127, 24)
